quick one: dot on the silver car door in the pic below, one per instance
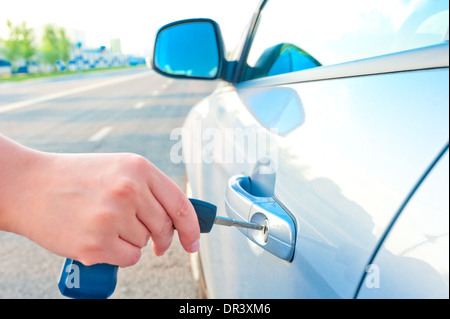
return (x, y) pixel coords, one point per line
(325, 156)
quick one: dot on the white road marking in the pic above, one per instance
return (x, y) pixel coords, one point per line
(139, 105)
(100, 134)
(167, 84)
(48, 97)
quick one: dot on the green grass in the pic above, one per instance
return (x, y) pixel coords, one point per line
(24, 77)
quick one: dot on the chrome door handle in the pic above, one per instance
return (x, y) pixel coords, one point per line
(281, 229)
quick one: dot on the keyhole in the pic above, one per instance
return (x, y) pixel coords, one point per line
(260, 236)
(265, 231)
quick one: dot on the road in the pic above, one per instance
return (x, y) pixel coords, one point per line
(115, 111)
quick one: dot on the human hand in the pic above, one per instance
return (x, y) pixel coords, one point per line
(99, 208)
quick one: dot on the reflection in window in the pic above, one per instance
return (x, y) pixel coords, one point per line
(334, 32)
(282, 58)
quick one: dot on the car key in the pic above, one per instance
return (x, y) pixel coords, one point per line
(99, 281)
(206, 214)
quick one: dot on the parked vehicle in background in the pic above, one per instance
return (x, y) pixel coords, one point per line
(5, 67)
(331, 126)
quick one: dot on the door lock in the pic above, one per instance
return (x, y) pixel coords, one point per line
(279, 235)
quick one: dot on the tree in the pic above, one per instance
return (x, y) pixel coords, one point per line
(65, 46)
(11, 46)
(55, 45)
(50, 46)
(19, 44)
(27, 48)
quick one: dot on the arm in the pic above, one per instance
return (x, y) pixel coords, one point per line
(92, 207)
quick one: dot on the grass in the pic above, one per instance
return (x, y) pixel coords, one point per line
(23, 77)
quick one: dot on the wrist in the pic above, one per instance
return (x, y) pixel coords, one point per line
(18, 165)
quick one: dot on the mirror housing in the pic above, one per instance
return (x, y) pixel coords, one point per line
(191, 49)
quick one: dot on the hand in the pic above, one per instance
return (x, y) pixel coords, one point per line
(98, 208)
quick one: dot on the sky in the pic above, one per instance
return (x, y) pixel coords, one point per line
(134, 22)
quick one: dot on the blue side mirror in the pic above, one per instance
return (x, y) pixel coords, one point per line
(189, 49)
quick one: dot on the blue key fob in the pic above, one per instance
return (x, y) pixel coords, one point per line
(206, 214)
(88, 282)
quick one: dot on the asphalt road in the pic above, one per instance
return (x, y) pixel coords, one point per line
(114, 111)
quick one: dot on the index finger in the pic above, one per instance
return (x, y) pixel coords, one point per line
(177, 207)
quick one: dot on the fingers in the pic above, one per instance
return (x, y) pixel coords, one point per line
(161, 206)
(114, 251)
(134, 232)
(142, 202)
(160, 225)
(177, 207)
(122, 253)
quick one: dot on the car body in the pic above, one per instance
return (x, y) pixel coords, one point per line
(330, 126)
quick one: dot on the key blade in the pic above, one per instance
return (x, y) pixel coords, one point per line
(225, 221)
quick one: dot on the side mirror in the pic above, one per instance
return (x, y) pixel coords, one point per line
(189, 49)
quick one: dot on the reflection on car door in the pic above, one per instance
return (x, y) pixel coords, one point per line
(341, 174)
(349, 149)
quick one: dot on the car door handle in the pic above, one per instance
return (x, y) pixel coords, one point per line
(241, 204)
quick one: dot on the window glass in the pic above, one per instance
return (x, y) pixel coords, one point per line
(295, 35)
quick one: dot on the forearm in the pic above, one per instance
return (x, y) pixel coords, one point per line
(16, 166)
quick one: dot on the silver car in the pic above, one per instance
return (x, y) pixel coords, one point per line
(329, 125)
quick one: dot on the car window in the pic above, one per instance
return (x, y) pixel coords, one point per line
(290, 36)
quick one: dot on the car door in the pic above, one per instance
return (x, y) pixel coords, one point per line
(416, 244)
(322, 131)
(322, 138)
